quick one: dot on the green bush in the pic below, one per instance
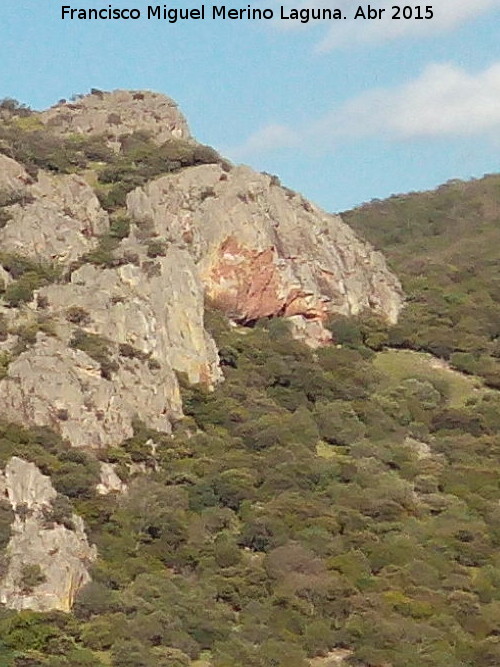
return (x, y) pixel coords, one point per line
(6, 520)
(103, 254)
(98, 348)
(28, 276)
(119, 226)
(31, 577)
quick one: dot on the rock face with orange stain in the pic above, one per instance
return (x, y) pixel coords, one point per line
(263, 250)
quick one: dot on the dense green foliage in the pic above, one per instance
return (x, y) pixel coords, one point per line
(289, 514)
(444, 246)
(140, 160)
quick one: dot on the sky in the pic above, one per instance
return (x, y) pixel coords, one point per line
(344, 111)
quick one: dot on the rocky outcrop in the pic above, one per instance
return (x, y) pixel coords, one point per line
(53, 385)
(112, 336)
(109, 481)
(263, 250)
(254, 248)
(60, 221)
(60, 555)
(13, 180)
(119, 113)
(154, 305)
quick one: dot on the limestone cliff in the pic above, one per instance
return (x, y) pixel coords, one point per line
(263, 250)
(253, 247)
(155, 306)
(59, 556)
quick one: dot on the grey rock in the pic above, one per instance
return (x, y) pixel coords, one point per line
(156, 307)
(62, 555)
(14, 180)
(53, 385)
(60, 224)
(109, 480)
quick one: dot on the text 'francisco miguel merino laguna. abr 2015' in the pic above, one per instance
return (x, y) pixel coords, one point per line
(249, 13)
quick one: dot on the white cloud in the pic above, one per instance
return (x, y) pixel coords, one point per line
(448, 14)
(444, 101)
(268, 138)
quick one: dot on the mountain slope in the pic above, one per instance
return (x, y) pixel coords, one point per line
(248, 499)
(444, 246)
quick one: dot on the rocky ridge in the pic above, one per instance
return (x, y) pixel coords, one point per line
(252, 247)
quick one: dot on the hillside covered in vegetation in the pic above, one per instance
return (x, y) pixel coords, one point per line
(444, 246)
(312, 502)
(318, 487)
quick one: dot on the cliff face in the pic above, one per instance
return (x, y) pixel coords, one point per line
(55, 218)
(88, 344)
(263, 250)
(53, 385)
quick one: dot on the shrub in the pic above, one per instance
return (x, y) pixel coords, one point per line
(31, 577)
(6, 519)
(21, 291)
(131, 352)
(156, 249)
(345, 331)
(103, 254)
(60, 512)
(98, 348)
(77, 315)
(28, 275)
(93, 599)
(5, 359)
(119, 227)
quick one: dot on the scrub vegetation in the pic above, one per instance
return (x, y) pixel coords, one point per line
(313, 501)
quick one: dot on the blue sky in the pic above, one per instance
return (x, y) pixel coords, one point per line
(343, 111)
